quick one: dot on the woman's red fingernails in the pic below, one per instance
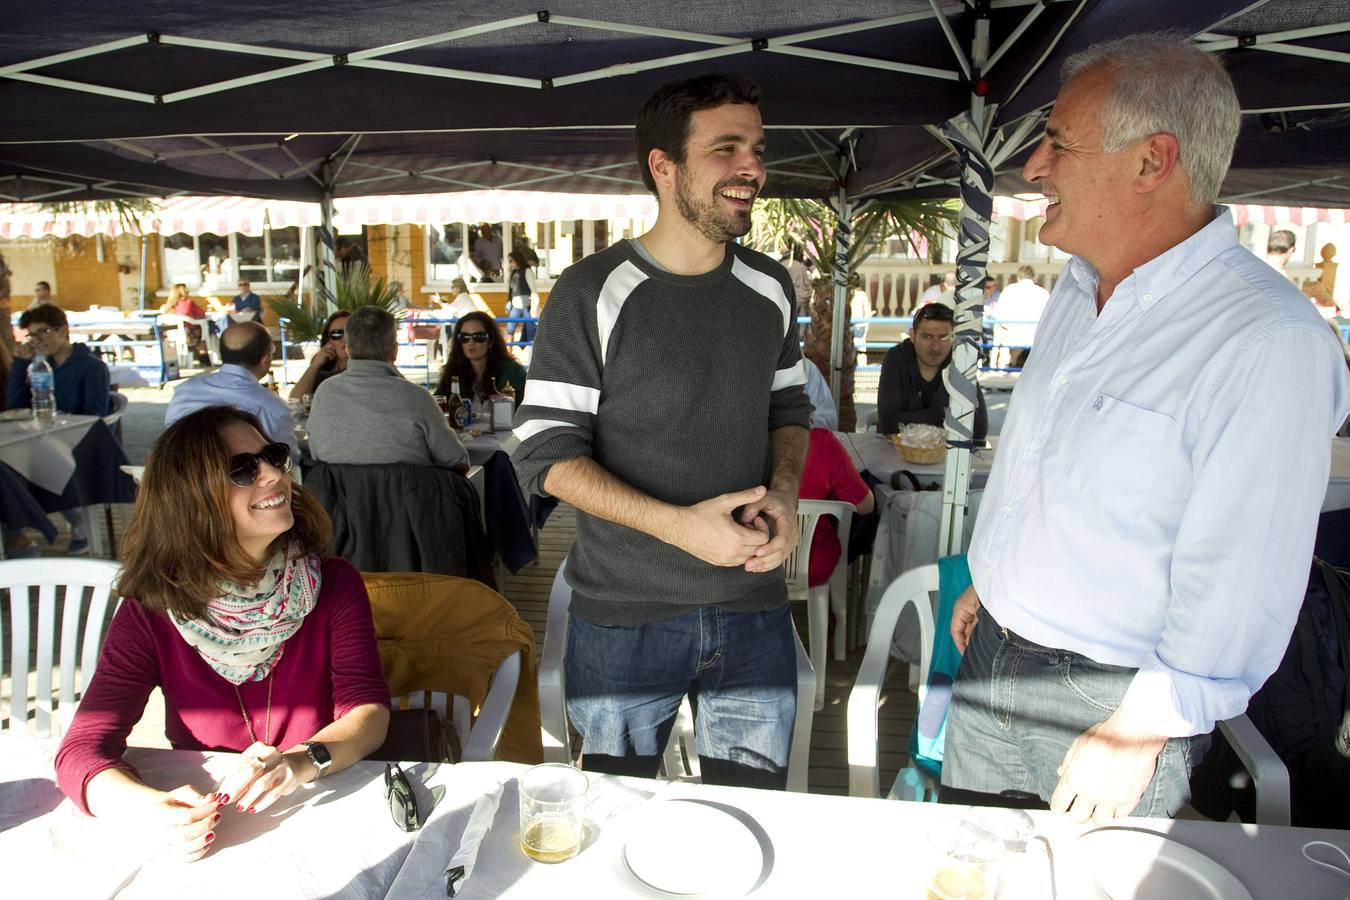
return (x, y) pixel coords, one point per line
(210, 836)
(239, 807)
(253, 809)
(224, 798)
(215, 820)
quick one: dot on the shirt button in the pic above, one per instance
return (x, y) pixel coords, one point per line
(1007, 508)
(1035, 445)
(1064, 379)
(1148, 296)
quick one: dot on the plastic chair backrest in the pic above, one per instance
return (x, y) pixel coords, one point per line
(478, 735)
(62, 586)
(809, 512)
(910, 589)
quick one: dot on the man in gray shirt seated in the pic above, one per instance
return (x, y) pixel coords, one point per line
(371, 415)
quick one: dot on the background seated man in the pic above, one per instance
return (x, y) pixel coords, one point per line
(80, 380)
(246, 306)
(371, 415)
(911, 389)
(246, 357)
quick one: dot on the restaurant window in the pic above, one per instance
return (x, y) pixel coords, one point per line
(447, 256)
(283, 254)
(252, 255)
(214, 264)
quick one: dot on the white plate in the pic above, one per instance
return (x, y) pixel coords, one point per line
(1137, 865)
(691, 849)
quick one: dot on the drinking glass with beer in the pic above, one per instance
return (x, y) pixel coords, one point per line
(552, 812)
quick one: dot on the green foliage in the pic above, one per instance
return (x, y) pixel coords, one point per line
(812, 224)
(356, 287)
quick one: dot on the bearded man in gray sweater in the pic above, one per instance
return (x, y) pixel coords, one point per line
(665, 403)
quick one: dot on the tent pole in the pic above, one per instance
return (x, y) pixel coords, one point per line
(968, 133)
(325, 255)
(142, 273)
(843, 238)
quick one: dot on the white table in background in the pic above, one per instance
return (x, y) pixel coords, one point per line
(44, 454)
(337, 841)
(876, 454)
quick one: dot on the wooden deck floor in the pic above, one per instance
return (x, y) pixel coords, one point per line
(528, 591)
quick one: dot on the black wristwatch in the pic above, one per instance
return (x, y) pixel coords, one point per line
(319, 755)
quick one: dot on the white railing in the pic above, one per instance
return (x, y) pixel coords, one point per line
(894, 285)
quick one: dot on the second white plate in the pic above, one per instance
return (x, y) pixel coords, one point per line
(1137, 865)
(692, 849)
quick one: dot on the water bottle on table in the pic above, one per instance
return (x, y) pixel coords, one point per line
(42, 385)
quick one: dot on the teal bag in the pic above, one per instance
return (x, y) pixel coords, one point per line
(930, 728)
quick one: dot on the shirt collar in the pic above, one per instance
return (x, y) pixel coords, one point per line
(371, 367)
(234, 370)
(1170, 269)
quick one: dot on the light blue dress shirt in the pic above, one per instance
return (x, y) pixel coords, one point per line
(818, 392)
(1155, 495)
(235, 386)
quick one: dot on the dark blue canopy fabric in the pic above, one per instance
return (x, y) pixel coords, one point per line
(356, 125)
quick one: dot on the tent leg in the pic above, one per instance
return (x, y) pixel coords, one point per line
(967, 133)
(843, 239)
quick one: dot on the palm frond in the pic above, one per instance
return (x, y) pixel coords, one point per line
(131, 212)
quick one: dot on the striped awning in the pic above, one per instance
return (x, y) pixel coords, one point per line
(246, 215)
(1023, 209)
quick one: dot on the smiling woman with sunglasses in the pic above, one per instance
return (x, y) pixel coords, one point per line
(259, 644)
(330, 360)
(480, 361)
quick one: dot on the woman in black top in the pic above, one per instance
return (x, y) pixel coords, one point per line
(480, 362)
(331, 358)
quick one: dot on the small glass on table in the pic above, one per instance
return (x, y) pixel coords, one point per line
(552, 812)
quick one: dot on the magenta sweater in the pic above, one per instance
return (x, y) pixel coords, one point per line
(329, 667)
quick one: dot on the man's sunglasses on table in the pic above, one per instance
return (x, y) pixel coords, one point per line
(244, 467)
(478, 337)
(398, 792)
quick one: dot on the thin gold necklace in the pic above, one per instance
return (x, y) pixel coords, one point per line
(248, 723)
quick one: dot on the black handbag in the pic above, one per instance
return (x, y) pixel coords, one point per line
(418, 735)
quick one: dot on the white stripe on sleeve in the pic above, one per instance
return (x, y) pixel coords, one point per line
(769, 287)
(529, 429)
(561, 395)
(789, 376)
(617, 288)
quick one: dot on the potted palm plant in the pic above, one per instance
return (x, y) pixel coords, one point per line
(354, 287)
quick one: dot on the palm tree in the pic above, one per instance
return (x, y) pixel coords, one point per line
(812, 225)
(355, 287)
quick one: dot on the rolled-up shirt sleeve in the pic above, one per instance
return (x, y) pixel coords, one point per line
(1241, 557)
(555, 421)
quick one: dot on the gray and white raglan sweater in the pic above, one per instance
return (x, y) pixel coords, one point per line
(672, 383)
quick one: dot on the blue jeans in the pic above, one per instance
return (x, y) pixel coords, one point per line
(1017, 706)
(624, 686)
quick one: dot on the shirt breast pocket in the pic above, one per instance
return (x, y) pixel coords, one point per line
(1119, 451)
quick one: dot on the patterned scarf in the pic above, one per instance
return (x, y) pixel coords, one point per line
(247, 626)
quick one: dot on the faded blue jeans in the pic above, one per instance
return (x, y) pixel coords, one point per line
(1017, 706)
(625, 683)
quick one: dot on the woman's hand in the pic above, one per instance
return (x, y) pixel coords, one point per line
(186, 820)
(264, 776)
(325, 356)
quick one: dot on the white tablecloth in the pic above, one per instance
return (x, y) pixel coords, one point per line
(44, 455)
(878, 455)
(338, 841)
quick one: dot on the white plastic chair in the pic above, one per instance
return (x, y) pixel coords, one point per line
(911, 588)
(478, 736)
(553, 703)
(62, 584)
(918, 587)
(822, 598)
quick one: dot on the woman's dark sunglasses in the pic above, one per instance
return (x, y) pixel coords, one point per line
(402, 802)
(478, 337)
(336, 334)
(244, 467)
